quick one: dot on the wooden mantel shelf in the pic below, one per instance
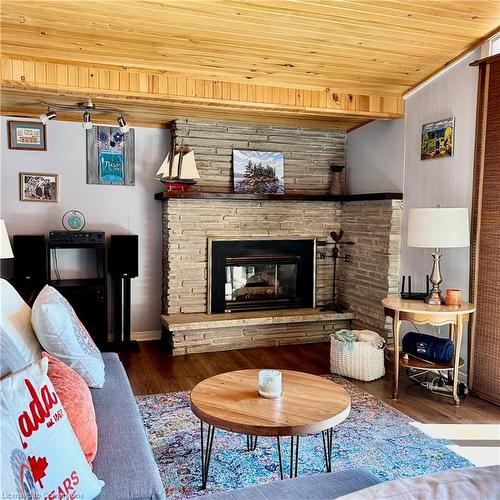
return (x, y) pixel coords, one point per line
(196, 195)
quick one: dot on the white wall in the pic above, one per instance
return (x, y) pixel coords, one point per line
(446, 181)
(376, 156)
(113, 209)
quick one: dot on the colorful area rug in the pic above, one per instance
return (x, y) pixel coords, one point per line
(374, 436)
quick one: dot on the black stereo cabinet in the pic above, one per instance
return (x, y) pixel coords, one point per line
(88, 296)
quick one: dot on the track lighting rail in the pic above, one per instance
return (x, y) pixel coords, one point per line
(87, 107)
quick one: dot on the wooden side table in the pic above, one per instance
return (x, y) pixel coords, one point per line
(417, 311)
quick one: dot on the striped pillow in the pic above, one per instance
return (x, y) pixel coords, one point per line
(11, 359)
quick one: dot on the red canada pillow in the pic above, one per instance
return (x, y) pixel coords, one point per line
(77, 402)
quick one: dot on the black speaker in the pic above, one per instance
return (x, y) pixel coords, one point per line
(124, 255)
(30, 259)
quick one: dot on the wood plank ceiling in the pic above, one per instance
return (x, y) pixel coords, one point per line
(376, 49)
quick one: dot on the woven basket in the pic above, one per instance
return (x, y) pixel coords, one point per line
(363, 361)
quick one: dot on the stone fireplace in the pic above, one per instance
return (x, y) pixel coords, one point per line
(257, 274)
(270, 276)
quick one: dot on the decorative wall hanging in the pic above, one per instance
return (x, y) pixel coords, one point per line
(73, 220)
(437, 139)
(29, 136)
(110, 156)
(258, 172)
(34, 186)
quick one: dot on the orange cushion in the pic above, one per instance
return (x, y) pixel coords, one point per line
(77, 402)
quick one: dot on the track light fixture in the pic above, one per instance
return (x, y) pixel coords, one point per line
(45, 117)
(86, 107)
(87, 121)
(123, 124)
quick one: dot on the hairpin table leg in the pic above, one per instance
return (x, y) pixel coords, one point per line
(294, 460)
(294, 456)
(279, 457)
(327, 447)
(251, 442)
(206, 452)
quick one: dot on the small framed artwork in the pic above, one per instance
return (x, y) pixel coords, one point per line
(34, 186)
(438, 139)
(258, 172)
(29, 136)
(110, 156)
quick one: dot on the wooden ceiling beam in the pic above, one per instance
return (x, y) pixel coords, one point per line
(161, 96)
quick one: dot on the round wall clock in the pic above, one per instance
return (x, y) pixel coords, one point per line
(73, 220)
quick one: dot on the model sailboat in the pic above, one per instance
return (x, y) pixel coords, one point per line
(178, 170)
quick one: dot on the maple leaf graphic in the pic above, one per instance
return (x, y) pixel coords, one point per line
(38, 466)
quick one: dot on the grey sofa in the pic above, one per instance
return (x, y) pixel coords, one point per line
(124, 460)
(324, 486)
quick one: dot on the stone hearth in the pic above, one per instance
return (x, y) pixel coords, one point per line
(192, 333)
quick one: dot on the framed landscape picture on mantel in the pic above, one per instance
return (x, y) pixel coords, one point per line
(258, 172)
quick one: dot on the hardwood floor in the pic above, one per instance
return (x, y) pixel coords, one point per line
(151, 371)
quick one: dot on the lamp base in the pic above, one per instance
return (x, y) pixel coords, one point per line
(434, 299)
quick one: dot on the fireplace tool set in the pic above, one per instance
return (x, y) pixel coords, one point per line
(336, 238)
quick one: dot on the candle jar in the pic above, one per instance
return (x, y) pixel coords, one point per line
(452, 298)
(270, 384)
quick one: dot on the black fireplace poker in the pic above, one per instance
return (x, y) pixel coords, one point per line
(335, 305)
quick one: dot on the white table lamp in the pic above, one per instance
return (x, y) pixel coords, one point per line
(438, 228)
(5, 248)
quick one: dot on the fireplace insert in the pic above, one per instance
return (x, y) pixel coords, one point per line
(261, 274)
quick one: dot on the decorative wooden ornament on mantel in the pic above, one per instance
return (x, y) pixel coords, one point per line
(337, 184)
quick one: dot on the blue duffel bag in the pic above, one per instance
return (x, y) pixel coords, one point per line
(428, 347)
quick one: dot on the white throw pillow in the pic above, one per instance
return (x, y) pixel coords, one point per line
(63, 336)
(41, 456)
(19, 346)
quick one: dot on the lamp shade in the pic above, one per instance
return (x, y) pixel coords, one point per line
(5, 248)
(438, 227)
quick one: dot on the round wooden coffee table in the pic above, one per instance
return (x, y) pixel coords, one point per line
(230, 401)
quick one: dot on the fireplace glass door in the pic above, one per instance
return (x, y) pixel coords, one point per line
(261, 282)
(253, 275)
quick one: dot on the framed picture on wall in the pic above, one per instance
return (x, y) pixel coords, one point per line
(438, 139)
(110, 156)
(35, 186)
(258, 172)
(30, 136)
